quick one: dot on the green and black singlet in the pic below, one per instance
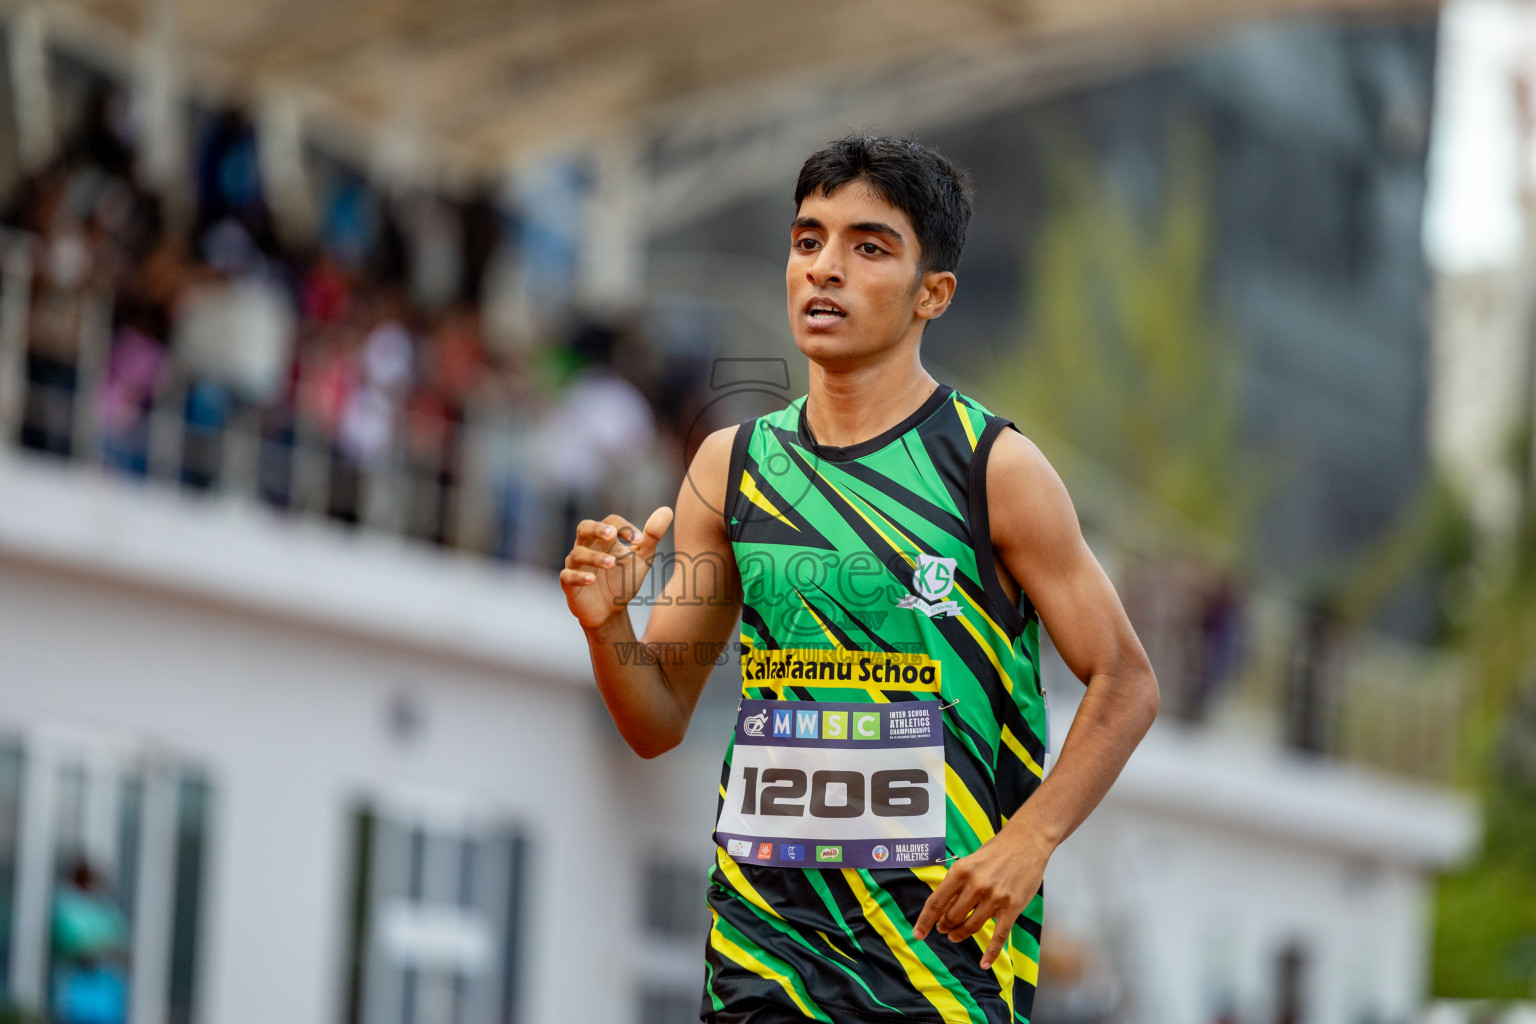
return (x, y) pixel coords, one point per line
(877, 558)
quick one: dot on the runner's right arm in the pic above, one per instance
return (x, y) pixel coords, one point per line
(651, 698)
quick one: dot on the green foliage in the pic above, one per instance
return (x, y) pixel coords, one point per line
(1485, 915)
(1126, 361)
(1124, 357)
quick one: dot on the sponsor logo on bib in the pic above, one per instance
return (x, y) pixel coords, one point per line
(825, 854)
(880, 854)
(753, 724)
(739, 848)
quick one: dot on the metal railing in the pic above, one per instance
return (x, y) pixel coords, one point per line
(1299, 680)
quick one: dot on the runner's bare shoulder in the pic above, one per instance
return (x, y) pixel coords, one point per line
(706, 481)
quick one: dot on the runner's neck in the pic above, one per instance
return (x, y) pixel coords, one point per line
(845, 408)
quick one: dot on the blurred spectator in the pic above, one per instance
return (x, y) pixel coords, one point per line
(90, 946)
(135, 374)
(371, 412)
(229, 187)
(501, 426)
(452, 368)
(232, 339)
(1190, 616)
(352, 379)
(58, 311)
(138, 367)
(600, 423)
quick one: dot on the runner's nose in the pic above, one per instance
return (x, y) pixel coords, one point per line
(825, 269)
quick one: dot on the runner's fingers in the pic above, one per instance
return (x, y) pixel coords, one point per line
(970, 899)
(978, 919)
(955, 915)
(625, 531)
(585, 556)
(926, 919)
(999, 938)
(570, 578)
(655, 529)
(936, 904)
(593, 534)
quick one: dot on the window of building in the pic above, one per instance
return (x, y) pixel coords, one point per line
(675, 920)
(101, 875)
(669, 1006)
(672, 896)
(434, 921)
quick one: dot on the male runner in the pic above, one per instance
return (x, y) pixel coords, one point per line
(890, 548)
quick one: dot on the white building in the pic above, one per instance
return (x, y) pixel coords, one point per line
(199, 678)
(1227, 881)
(225, 709)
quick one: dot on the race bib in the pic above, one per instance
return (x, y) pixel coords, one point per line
(817, 784)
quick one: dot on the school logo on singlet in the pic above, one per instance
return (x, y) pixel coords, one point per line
(933, 579)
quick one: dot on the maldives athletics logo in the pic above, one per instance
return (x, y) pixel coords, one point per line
(933, 578)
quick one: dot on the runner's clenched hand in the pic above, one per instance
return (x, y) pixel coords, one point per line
(994, 883)
(608, 563)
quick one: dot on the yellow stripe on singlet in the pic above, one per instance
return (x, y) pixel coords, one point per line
(833, 946)
(1013, 744)
(820, 622)
(758, 498)
(1007, 681)
(965, 421)
(909, 559)
(739, 883)
(922, 979)
(967, 804)
(991, 622)
(731, 951)
(986, 648)
(1002, 967)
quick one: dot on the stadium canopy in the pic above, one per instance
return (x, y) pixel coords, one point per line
(481, 83)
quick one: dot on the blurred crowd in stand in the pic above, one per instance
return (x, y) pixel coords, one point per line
(350, 375)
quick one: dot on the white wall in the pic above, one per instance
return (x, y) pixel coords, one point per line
(293, 725)
(1206, 913)
(1212, 854)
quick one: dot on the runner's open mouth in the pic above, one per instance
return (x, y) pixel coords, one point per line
(823, 311)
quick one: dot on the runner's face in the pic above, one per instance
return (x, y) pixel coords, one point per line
(853, 283)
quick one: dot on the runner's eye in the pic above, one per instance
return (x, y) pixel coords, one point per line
(870, 249)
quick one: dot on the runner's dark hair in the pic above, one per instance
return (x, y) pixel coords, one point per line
(933, 192)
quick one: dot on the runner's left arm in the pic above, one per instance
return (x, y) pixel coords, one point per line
(1039, 543)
